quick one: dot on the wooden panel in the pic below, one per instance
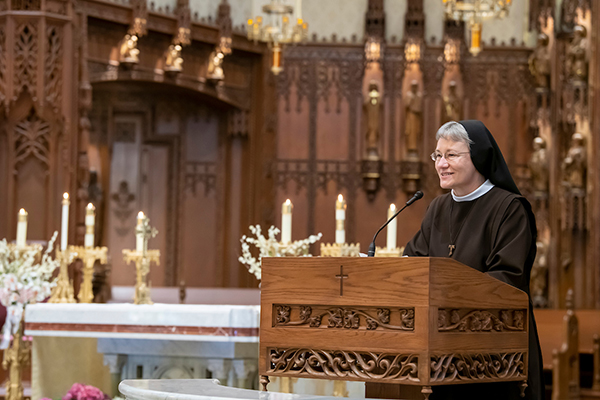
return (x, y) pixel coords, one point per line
(371, 283)
(154, 202)
(449, 279)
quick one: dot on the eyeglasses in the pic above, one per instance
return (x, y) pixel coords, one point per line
(450, 156)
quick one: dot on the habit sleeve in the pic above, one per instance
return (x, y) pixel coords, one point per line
(419, 244)
(512, 247)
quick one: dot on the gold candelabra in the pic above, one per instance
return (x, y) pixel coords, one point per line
(89, 255)
(16, 356)
(142, 258)
(340, 250)
(385, 252)
(63, 291)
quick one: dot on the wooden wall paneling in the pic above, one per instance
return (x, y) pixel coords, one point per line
(163, 185)
(123, 200)
(202, 222)
(593, 173)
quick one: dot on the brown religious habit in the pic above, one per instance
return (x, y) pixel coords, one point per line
(490, 234)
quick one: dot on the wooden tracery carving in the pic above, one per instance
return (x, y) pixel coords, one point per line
(32, 138)
(26, 5)
(25, 59)
(344, 364)
(204, 173)
(53, 66)
(344, 317)
(2, 65)
(477, 367)
(481, 320)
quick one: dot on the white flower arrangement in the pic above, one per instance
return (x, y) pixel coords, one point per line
(25, 278)
(271, 247)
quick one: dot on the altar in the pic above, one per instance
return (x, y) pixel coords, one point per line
(102, 344)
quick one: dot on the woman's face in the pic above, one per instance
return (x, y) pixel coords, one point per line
(458, 173)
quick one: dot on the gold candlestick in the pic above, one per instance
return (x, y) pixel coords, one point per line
(15, 358)
(89, 257)
(63, 291)
(142, 259)
(142, 268)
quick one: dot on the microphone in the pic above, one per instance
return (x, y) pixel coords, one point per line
(415, 197)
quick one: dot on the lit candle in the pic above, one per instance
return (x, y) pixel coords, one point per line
(64, 231)
(392, 228)
(139, 236)
(286, 222)
(90, 220)
(340, 218)
(22, 228)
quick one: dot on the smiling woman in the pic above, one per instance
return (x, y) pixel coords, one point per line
(485, 223)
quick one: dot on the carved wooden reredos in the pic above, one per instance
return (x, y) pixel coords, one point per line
(143, 105)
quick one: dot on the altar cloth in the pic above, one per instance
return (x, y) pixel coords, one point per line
(228, 323)
(201, 389)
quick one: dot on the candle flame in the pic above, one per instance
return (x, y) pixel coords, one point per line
(392, 206)
(288, 202)
(66, 196)
(90, 206)
(141, 214)
(22, 211)
(340, 197)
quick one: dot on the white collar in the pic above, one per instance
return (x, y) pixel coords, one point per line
(477, 193)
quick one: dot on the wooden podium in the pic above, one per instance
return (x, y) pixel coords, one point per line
(411, 321)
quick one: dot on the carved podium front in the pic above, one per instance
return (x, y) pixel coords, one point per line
(411, 321)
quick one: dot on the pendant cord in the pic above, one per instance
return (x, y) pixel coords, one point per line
(452, 246)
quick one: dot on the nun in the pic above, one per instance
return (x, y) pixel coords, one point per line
(485, 223)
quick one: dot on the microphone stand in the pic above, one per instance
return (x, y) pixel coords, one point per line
(417, 196)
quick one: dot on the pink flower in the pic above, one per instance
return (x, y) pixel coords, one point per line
(85, 392)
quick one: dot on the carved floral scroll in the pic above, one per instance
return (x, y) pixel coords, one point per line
(343, 364)
(477, 367)
(370, 318)
(481, 320)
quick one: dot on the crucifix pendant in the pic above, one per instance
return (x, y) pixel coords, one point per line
(451, 248)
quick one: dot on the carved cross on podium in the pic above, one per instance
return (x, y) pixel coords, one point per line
(341, 277)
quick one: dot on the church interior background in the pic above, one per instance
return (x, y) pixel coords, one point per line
(179, 109)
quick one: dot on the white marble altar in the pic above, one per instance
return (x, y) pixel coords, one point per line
(200, 389)
(147, 341)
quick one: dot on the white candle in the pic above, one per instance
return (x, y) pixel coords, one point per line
(340, 218)
(299, 9)
(64, 231)
(139, 236)
(392, 228)
(90, 220)
(286, 222)
(22, 228)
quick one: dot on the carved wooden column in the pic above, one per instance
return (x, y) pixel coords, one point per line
(594, 145)
(39, 120)
(573, 265)
(413, 99)
(373, 106)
